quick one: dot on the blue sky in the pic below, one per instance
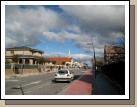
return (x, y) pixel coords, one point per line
(56, 29)
(53, 46)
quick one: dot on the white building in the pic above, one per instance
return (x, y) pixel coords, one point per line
(24, 55)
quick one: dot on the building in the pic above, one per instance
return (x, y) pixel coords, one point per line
(60, 60)
(23, 55)
(114, 54)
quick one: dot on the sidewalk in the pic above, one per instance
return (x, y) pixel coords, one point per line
(102, 85)
(82, 86)
(105, 86)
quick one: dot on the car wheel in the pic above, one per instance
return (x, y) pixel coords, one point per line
(72, 78)
(69, 80)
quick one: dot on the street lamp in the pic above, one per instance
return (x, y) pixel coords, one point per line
(91, 44)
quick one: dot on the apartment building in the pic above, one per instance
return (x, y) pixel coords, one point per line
(114, 54)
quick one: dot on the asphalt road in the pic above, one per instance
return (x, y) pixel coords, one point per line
(41, 84)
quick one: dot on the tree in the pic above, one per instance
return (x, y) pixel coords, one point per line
(7, 61)
(42, 60)
(15, 58)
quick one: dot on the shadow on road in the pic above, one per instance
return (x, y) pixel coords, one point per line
(76, 77)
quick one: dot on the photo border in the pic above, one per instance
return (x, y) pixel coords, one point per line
(92, 95)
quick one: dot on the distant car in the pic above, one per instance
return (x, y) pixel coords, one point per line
(64, 75)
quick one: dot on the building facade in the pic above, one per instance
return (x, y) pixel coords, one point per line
(23, 55)
(60, 60)
(114, 54)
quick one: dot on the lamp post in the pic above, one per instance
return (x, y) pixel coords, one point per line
(91, 44)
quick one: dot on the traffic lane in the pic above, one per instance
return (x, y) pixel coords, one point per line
(26, 82)
(34, 82)
(29, 79)
(51, 88)
(49, 77)
(32, 78)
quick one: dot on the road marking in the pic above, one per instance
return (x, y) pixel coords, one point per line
(43, 85)
(27, 92)
(36, 82)
(11, 80)
(37, 88)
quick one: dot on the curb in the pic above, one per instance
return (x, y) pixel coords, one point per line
(82, 86)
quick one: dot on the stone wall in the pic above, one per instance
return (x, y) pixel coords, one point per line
(11, 72)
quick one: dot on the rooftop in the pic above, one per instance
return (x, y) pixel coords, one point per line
(24, 48)
(59, 58)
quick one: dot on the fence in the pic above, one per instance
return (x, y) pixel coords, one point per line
(20, 66)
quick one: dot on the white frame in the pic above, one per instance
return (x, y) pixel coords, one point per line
(126, 3)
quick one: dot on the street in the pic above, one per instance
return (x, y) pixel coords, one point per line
(40, 84)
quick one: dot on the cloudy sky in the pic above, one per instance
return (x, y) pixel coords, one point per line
(56, 29)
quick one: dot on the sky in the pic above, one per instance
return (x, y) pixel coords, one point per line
(60, 29)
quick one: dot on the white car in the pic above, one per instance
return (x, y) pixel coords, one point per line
(64, 75)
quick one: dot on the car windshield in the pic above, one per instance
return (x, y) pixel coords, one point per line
(63, 72)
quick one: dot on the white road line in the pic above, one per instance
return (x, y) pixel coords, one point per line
(36, 82)
(12, 80)
(27, 92)
(43, 85)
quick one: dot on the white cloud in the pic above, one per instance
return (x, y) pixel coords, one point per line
(27, 23)
(53, 54)
(74, 28)
(97, 17)
(81, 56)
(10, 41)
(60, 36)
(97, 24)
(100, 22)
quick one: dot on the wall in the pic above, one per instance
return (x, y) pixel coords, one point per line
(37, 54)
(8, 53)
(116, 72)
(25, 52)
(9, 72)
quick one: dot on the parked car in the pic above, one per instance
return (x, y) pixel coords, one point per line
(64, 75)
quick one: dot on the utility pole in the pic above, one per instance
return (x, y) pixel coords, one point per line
(94, 65)
(91, 44)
